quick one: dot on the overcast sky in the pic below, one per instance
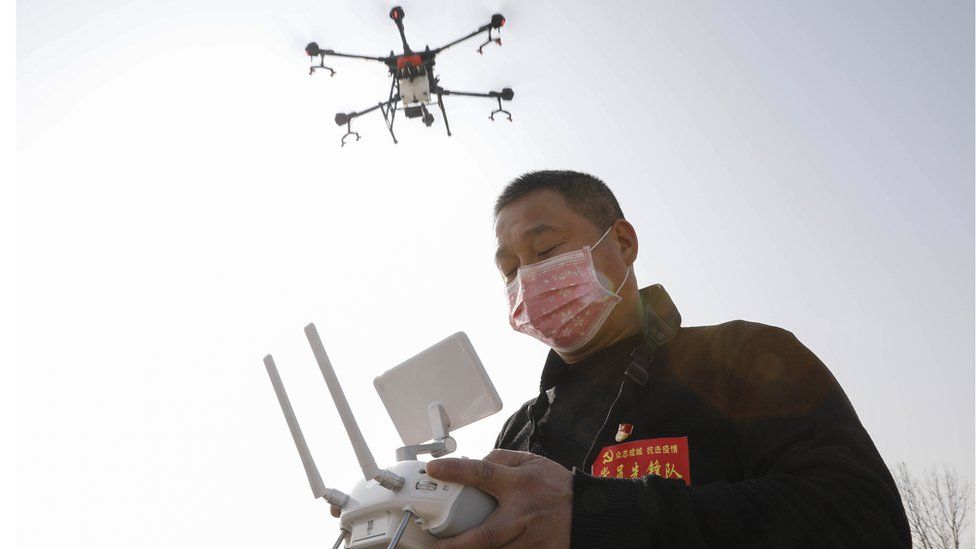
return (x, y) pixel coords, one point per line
(184, 208)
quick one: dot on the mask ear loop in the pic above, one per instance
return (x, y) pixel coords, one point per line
(629, 268)
(624, 281)
(601, 238)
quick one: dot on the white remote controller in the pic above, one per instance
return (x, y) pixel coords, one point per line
(439, 509)
(401, 506)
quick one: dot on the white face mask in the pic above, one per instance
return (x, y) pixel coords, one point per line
(560, 301)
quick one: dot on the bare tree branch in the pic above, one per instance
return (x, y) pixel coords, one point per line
(937, 504)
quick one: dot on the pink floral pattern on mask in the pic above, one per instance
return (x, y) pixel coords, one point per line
(560, 301)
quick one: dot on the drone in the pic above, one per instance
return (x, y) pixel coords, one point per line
(413, 81)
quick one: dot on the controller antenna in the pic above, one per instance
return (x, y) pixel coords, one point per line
(335, 497)
(386, 478)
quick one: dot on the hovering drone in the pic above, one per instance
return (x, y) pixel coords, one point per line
(414, 82)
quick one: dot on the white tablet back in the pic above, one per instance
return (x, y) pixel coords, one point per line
(449, 372)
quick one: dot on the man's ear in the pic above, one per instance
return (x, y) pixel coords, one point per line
(626, 239)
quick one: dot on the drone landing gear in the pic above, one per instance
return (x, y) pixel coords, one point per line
(389, 114)
(440, 103)
(499, 110)
(388, 109)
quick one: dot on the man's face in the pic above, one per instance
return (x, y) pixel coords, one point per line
(541, 225)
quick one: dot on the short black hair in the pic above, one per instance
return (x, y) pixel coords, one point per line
(586, 195)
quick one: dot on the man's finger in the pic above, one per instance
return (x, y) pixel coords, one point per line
(335, 510)
(509, 458)
(487, 536)
(471, 472)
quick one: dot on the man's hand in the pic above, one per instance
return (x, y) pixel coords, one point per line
(535, 500)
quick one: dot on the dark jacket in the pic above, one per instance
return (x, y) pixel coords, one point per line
(733, 435)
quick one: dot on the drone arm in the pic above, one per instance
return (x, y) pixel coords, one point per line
(505, 94)
(496, 24)
(343, 118)
(387, 107)
(462, 39)
(352, 56)
(313, 50)
(466, 94)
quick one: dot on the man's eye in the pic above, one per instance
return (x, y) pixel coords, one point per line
(549, 250)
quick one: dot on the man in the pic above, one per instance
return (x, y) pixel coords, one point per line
(649, 434)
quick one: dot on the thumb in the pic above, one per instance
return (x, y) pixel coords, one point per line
(509, 458)
(471, 472)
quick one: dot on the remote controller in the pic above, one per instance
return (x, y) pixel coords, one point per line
(401, 506)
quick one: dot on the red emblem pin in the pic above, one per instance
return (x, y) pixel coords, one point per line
(623, 431)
